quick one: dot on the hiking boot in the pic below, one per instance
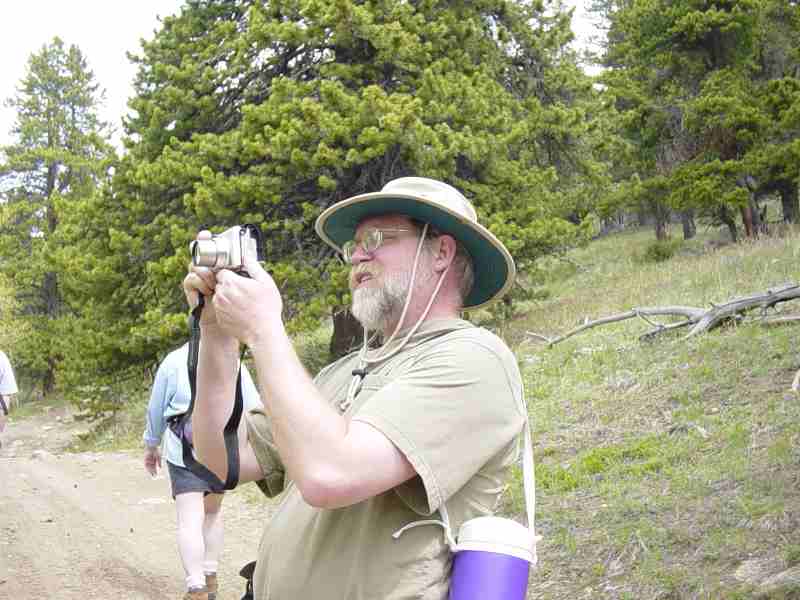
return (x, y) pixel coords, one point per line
(211, 585)
(201, 594)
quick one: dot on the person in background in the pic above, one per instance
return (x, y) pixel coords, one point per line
(8, 387)
(200, 530)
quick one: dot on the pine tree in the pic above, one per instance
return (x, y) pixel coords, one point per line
(774, 161)
(59, 153)
(268, 112)
(683, 75)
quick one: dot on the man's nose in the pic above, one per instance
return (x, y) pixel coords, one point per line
(359, 255)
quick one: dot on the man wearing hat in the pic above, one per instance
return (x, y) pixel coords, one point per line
(390, 449)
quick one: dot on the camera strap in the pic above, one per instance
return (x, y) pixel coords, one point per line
(230, 434)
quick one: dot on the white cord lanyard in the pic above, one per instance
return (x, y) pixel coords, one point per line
(529, 485)
(363, 360)
(528, 475)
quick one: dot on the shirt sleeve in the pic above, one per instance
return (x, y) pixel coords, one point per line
(458, 406)
(259, 434)
(163, 390)
(250, 396)
(8, 384)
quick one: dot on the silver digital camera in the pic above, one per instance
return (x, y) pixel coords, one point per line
(228, 250)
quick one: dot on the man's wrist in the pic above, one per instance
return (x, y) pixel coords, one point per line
(269, 336)
(213, 335)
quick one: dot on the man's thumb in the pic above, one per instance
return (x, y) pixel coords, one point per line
(254, 269)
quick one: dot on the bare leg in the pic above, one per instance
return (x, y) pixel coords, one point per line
(212, 532)
(190, 537)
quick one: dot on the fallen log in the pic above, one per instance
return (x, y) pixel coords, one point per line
(700, 320)
(736, 306)
(778, 320)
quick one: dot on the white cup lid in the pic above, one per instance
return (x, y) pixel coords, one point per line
(496, 534)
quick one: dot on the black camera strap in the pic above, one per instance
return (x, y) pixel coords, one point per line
(230, 434)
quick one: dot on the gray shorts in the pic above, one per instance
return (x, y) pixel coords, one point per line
(184, 481)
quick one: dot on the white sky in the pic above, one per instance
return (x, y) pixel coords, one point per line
(104, 30)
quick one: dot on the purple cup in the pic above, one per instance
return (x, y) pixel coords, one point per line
(492, 560)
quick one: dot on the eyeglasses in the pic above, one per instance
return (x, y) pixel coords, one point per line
(371, 240)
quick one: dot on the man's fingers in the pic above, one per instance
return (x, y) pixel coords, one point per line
(254, 269)
(202, 281)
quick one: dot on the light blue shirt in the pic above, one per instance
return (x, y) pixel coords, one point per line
(8, 385)
(171, 395)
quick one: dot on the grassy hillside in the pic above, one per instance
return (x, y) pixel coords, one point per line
(665, 469)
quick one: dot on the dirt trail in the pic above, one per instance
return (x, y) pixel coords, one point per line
(95, 525)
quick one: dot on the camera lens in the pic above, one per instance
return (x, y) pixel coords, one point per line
(206, 254)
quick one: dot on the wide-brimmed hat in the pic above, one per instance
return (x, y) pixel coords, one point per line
(443, 207)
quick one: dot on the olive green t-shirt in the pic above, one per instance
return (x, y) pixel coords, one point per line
(451, 400)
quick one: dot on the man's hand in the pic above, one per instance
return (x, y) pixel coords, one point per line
(245, 307)
(152, 460)
(201, 280)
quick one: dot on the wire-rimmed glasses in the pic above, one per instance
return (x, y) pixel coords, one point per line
(371, 239)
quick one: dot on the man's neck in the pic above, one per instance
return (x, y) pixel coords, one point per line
(435, 313)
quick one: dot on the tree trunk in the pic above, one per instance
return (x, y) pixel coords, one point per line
(790, 202)
(661, 216)
(661, 230)
(758, 225)
(689, 227)
(49, 378)
(347, 334)
(747, 220)
(727, 218)
(51, 296)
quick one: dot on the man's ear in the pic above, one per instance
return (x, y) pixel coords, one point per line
(446, 253)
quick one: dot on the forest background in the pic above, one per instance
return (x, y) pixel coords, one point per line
(268, 112)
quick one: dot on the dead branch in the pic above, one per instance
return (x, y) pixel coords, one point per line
(778, 320)
(701, 320)
(689, 312)
(538, 337)
(663, 329)
(721, 312)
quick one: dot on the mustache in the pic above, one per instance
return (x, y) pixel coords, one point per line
(361, 269)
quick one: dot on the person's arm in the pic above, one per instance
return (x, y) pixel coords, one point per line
(155, 422)
(333, 462)
(216, 392)
(216, 380)
(4, 407)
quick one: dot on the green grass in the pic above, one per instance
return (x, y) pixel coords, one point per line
(661, 465)
(29, 407)
(120, 431)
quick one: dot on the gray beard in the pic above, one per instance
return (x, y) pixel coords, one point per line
(376, 307)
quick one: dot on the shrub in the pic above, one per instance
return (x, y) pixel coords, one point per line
(661, 250)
